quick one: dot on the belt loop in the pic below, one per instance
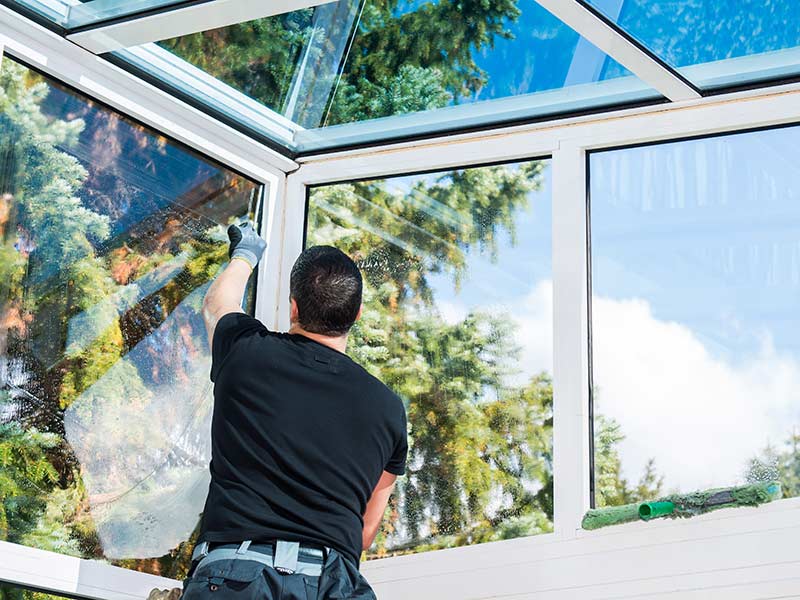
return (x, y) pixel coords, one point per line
(243, 547)
(286, 556)
(200, 551)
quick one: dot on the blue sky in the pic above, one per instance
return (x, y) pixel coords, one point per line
(708, 231)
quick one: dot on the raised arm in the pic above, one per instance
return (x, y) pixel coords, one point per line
(226, 293)
(376, 507)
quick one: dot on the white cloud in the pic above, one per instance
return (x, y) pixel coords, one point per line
(452, 312)
(534, 320)
(700, 416)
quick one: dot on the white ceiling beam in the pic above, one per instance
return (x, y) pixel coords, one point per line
(620, 48)
(182, 21)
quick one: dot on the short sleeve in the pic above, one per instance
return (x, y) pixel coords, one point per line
(231, 328)
(397, 462)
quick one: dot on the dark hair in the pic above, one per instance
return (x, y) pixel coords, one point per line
(326, 285)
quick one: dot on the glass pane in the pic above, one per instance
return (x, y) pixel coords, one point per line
(458, 321)
(109, 236)
(72, 14)
(715, 44)
(347, 73)
(696, 281)
(55, 11)
(94, 11)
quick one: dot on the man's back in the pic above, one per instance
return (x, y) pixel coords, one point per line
(301, 435)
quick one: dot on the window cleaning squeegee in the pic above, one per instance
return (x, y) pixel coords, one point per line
(684, 505)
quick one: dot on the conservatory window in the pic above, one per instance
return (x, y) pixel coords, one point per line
(458, 321)
(109, 237)
(695, 280)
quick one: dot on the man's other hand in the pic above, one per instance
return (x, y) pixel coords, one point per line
(246, 244)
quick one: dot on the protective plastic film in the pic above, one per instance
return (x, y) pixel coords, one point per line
(109, 236)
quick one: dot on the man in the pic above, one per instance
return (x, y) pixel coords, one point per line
(306, 445)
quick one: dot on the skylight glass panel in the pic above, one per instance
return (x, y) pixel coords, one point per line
(53, 10)
(88, 13)
(349, 72)
(72, 14)
(715, 44)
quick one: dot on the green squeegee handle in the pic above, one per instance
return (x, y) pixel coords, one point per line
(651, 510)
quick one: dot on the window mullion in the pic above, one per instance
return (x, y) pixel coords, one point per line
(570, 340)
(291, 243)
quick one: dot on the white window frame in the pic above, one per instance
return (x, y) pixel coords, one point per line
(740, 551)
(743, 553)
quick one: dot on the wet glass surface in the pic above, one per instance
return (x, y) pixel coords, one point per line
(109, 237)
(458, 321)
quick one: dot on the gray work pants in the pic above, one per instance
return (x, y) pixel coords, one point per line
(243, 578)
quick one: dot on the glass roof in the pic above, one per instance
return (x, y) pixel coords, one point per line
(342, 73)
(715, 44)
(349, 73)
(73, 14)
(95, 11)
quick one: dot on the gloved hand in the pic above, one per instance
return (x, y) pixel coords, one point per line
(246, 244)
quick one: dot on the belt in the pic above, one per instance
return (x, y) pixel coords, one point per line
(285, 557)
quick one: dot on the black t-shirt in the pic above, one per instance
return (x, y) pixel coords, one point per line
(300, 437)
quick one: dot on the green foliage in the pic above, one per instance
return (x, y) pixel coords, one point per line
(26, 477)
(400, 60)
(257, 57)
(611, 488)
(81, 285)
(411, 89)
(11, 593)
(50, 268)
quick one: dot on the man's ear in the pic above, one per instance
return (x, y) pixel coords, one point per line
(294, 314)
(360, 310)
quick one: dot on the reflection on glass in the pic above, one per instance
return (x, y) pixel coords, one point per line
(53, 10)
(290, 63)
(109, 235)
(458, 321)
(696, 280)
(714, 43)
(95, 11)
(349, 62)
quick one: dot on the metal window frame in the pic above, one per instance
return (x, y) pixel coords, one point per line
(755, 550)
(79, 68)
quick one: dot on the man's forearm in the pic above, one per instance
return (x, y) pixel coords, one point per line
(225, 294)
(376, 507)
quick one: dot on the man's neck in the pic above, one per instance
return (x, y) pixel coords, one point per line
(337, 343)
